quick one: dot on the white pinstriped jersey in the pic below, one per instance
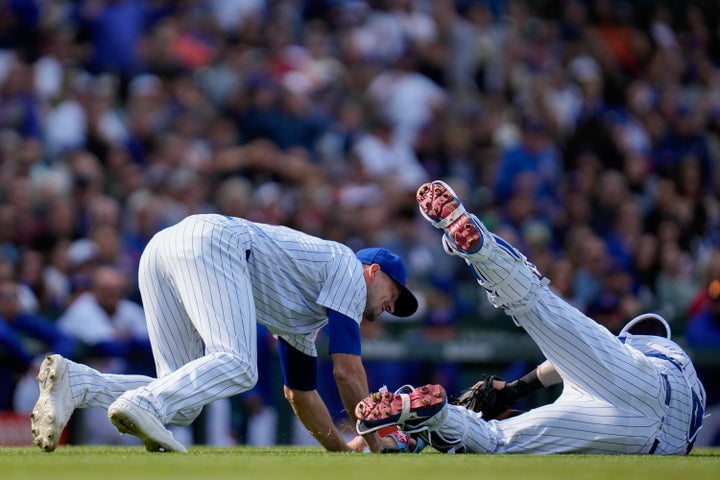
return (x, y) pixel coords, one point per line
(295, 277)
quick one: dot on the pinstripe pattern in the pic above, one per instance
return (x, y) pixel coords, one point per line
(90, 388)
(614, 394)
(205, 282)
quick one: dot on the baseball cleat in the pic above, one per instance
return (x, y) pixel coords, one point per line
(129, 418)
(441, 207)
(54, 407)
(408, 410)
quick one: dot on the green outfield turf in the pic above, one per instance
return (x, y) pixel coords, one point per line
(133, 463)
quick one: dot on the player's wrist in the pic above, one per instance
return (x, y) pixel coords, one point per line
(523, 386)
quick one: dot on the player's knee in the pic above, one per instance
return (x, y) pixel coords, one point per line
(238, 368)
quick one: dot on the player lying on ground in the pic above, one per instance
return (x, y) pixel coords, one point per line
(632, 394)
(205, 282)
(494, 398)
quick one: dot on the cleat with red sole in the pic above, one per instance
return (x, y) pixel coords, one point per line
(441, 207)
(382, 410)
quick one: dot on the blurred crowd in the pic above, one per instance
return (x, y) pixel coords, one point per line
(586, 132)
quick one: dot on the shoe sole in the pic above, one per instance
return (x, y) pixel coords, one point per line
(438, 202)
(384, 409)
(46, 428)
(125, 422)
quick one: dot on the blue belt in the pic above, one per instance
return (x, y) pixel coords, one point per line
(662, 356)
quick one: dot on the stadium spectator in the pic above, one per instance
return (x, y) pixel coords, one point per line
(114, 30)
(25, 338)
(114, 333)
(533, 166)
(703, 334)
(387, 160)
(676, 284)
(21, 109)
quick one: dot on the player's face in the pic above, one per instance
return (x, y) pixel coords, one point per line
(382, 293)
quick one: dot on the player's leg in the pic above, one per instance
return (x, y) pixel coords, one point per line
(575, 422)
(582, 351)
(203, 327)
(66, 386)
(175, 340)
(185, 376)
(572, 424)
(587, 355)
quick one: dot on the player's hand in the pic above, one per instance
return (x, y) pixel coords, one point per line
(492, 396)
(358, 444)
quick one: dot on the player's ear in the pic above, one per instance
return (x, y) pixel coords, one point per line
(371, 271)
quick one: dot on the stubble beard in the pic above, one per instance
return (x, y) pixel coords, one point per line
(369, 314)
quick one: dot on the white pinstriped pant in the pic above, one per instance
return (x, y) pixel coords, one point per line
(201, 322)
(615, 399)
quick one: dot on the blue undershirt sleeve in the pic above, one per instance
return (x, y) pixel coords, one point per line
(344, 333)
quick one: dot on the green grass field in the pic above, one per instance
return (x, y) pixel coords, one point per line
(133, 463)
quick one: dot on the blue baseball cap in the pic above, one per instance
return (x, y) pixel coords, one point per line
(393, 266)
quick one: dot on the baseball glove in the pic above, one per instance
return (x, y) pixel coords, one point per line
(493, 403)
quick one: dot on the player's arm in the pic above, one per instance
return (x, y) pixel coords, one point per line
(312, 412)
(547, 375)
(348, 369)
(351, 381)
(544, 375)
(299, 372)
(495, 399)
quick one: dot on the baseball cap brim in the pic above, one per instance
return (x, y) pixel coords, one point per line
(406, 304)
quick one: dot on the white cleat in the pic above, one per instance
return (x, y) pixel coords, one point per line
(129, 418)
(55, 405)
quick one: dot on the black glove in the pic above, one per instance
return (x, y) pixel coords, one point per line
(493, 403)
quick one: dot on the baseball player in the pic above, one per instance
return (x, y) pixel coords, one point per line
(636, 393)
(205, 282)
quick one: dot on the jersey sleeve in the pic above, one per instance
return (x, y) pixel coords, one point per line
(343, 287)
(344, 333)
